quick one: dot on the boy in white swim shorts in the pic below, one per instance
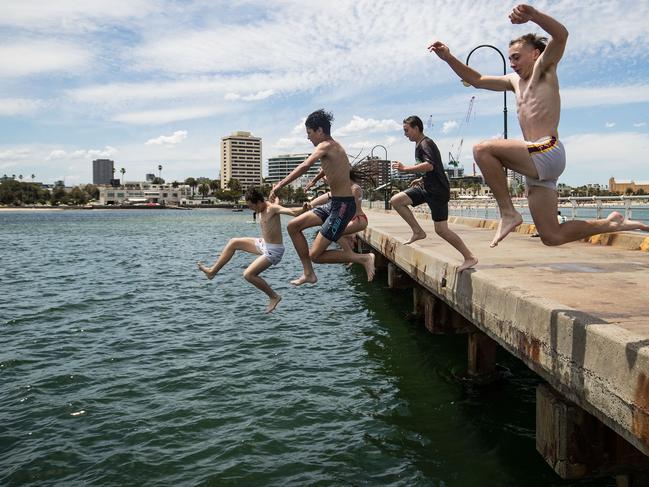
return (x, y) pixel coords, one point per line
(549, 158)
(269, 248)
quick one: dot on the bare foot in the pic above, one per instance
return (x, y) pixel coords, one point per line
(349, 264)
(368, 263)
(272, 303)
(467, 263)
(208, 272)
(416, 236)
(620, 224)
(505, 226)
(303, 279)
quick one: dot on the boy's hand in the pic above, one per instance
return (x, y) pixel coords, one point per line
(441, 49)
(398, 165)
(522, 14)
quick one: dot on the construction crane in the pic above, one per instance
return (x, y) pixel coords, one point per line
(454, 159)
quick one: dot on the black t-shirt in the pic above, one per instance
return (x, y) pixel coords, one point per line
(435, 181)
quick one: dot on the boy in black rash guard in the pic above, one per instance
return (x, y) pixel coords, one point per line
(435, 191)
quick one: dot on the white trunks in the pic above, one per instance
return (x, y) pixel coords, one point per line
(273, 252)
(549, 158)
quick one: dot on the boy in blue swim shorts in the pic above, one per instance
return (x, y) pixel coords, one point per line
(335, 166)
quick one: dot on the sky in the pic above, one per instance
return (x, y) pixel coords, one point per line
(150, 83)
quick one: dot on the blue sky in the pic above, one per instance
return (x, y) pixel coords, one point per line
(148, 82)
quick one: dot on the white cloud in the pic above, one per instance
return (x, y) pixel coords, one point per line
(162, 116)
(292, 143)
(609, 125)
(299, 128)
(578, 97)
(595, 157)
(87, 154)
(449, 126)
(640, 124)
(359, 124)
(15, 154)
(71, 15)
(168, 140)
(260, 95)
(19, 106)
(28, 57)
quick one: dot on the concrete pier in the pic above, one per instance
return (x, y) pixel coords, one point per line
(577, 315)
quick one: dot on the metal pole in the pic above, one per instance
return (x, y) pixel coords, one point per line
(502, 56)
(388, 188)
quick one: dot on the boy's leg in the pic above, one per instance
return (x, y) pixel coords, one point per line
(543, 207)
(492, 156)
(454, 239)
(321, 255)
(251, 274)
(246, 244)
(295, 228)
(400, 203)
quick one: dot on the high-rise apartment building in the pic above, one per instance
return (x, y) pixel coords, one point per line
(241, 159)
(102, 171)
(281, 166)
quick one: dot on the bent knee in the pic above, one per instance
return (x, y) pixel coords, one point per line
(249, 276)
(315, 257)
(481, 149)
(551, 240)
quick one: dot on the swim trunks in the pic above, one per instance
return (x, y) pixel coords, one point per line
(549, 158)
(273, 252)
(437, 202)
(323, 211)
(343, 209)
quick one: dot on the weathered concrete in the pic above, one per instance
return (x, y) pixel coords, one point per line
(578, 314)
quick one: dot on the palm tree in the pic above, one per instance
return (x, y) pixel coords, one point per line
(20, 176)
(33, 177)
(160, 171)
(191, 182)
(204, 189)
(123, 171)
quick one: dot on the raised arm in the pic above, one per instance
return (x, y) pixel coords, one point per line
(315, 179)
(300, 169)
(558, 33)
(470, 75)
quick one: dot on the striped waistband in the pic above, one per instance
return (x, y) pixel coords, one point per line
(544, 147)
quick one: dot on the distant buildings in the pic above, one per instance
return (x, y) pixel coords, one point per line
(281, 166)
(241, 159)
(102, 171)
(622, 186)
(134, 193)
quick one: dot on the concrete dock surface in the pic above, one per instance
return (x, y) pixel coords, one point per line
(577, 314)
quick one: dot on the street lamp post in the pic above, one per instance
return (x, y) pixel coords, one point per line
(388, 187)
(502, 56)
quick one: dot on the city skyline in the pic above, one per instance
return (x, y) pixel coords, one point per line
(154, 82)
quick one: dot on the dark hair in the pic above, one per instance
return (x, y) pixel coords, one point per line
(537, 42)
(254, 195)
(320, 118)
(414, 121)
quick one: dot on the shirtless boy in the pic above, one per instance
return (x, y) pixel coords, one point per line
(541, 157)
(335, 166)
(269, 248)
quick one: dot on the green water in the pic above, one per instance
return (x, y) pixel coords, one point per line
(122, 365)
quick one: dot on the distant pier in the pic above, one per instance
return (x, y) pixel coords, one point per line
(577, 315)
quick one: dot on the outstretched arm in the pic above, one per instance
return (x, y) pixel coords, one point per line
(558, 33)
(421, 167)
(469, 75)
(315, 179)
(300, 169)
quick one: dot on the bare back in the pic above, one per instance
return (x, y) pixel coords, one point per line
(335, 165)
(538, 102)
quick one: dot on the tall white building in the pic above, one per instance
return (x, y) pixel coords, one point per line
(281, 166)
(241, 159)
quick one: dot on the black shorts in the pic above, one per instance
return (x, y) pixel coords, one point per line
(343, 209)
(438, 203)
(323, 211)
